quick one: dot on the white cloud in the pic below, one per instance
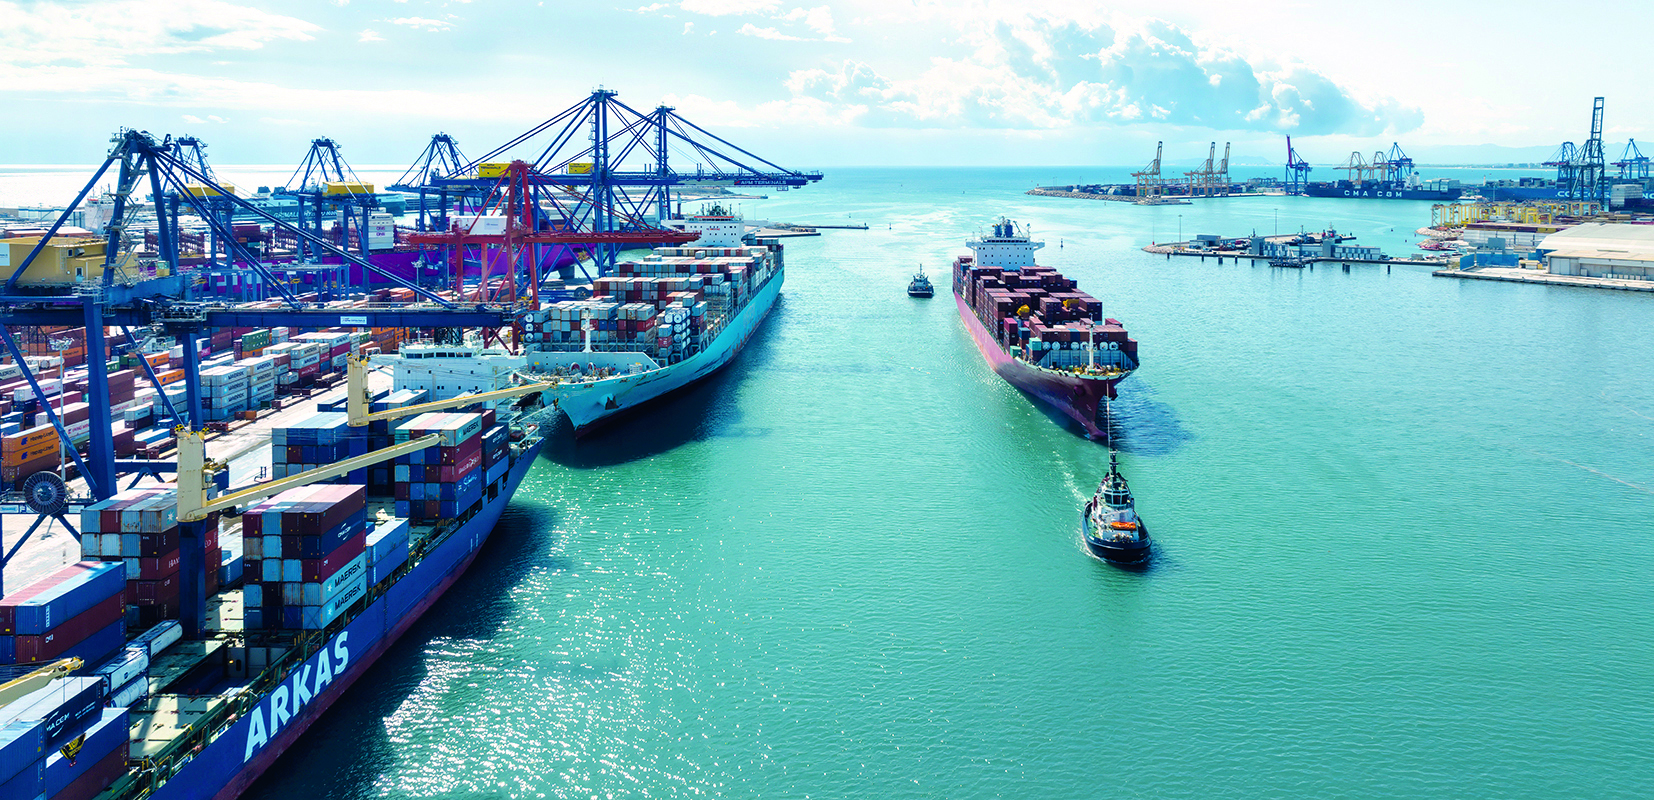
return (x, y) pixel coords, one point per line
(1040, 73)
(195, 120)
(109, 32)
(818, 19)
(720, 8)
(422, 23)
(651, 8)
(750, 29)
(688, 27)
(369, 35)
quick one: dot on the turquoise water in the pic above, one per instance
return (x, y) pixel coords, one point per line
(1404, 531)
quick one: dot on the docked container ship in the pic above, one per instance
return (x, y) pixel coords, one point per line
(329, 575)
(1384, 190)
(1037, 330)
(661, 323)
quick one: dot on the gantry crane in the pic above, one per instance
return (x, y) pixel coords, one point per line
(1149, 182)
(609, 168)
(1297, 170)
(1633, 165)
(1590, 173)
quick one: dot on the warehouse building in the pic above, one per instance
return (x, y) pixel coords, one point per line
(1601, 250)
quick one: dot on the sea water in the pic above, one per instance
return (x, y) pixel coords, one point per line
(1403, 531)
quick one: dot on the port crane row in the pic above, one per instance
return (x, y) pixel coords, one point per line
(1581, 174)
(504, 223)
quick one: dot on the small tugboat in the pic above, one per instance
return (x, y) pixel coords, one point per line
(920, 286)
(1110, 525)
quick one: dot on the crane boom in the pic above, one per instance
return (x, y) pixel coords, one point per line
(356, 404)
(193, 505)
(21, 686)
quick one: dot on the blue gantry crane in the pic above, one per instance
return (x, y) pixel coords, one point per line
(602, 166)
(1590, 174)
(440, 159)
(1633, 165)
(140, 285)
(1297, 170)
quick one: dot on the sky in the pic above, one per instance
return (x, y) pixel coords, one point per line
(868, 82)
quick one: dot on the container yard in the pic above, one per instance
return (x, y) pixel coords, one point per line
(242, 453)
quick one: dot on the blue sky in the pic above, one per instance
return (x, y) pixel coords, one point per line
(825, 84)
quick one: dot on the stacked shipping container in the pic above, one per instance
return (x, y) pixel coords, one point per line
(1058, 321)
(305, 559)
(76, 611)
(441, 481)
(139, 529)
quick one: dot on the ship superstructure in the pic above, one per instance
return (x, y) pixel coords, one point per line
(1036, 329)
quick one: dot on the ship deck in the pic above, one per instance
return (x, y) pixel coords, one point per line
(51, 547)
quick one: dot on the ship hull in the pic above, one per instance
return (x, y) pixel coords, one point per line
(1075, 396)
(1381, 192)
(1526, 193)
(230, 763)
(591, 405)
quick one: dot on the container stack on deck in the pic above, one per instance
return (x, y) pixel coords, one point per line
(440, 481)
(305, 557)
(656, 305)
(66, 715)
(1060, 317)
(138, 528)
(76, 612)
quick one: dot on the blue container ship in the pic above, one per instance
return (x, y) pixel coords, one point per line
(393, 500)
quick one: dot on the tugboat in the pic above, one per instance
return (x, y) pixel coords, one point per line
(1110, 524)
(920, 286)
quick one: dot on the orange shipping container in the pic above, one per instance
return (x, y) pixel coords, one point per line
(30, 439)
(15, 458)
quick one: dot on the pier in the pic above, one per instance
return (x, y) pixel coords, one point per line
(1286, 250)
(1519, 275)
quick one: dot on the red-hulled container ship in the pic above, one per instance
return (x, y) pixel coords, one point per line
(1037, 329)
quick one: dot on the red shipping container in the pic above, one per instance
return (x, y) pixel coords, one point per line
(463, 468)
(72, 631)
(157, 567)
(452, 456)
(320, 569)
(157, 544)
(149, 593)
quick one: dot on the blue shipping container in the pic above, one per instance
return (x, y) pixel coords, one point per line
(385, 537)
(56, 605)
(106, 734)
(22, 743)
(388, 563)
(62, 708)
(97, 647)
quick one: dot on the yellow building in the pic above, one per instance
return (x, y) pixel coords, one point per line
(65, 261)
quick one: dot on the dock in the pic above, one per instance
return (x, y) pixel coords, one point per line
(1519, 275)
(1202, 250)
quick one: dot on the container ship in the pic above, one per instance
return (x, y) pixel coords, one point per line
(661, 323)
(1037, 330)
(392, 495)
(1384, 190)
